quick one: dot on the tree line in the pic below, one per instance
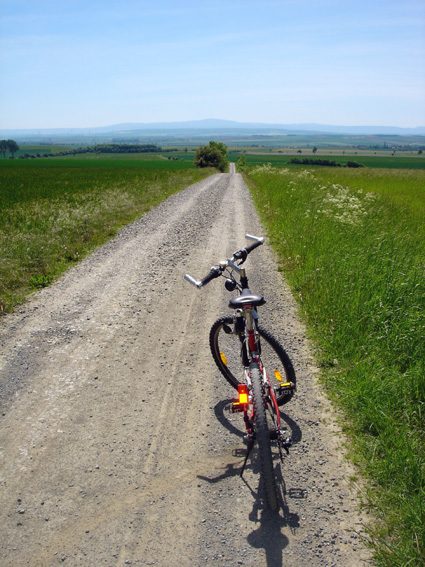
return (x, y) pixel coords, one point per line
(101, 149)
(325, 162)
(127, 148)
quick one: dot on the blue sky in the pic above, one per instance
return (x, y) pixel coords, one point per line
(87, 63)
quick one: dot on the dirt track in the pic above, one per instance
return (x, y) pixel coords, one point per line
(115, 446)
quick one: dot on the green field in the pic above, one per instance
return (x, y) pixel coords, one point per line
(53, 211)
(177, 157)
(352, 247)
(385, 161)
(166, 160)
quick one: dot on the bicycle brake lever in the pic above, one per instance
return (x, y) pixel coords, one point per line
(242, 256)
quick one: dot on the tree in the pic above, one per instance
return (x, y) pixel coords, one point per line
(314, 150)
(10, 145)
(4, 146)
(242, 162)
(13, 147)
(213, 155)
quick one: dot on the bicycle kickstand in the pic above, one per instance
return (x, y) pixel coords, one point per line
(248, 451)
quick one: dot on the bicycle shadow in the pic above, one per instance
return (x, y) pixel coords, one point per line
(268, 535)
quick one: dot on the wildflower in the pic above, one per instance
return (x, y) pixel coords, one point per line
(305, 174)
(344, 206)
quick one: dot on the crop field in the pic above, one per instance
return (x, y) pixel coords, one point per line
(166, 160)
(34, 150)
(385, 161)
(53, 211)
(351, 244)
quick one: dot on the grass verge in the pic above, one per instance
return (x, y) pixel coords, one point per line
(352, 248)
(50, 217)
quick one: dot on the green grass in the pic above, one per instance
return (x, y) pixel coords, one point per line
(156, 161)
(352, 247)
(396, 162)
(54, 211)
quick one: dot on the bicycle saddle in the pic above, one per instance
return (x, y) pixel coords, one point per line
(249, 299)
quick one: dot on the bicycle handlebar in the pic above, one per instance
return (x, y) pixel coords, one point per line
(216, 271)
(254, 246)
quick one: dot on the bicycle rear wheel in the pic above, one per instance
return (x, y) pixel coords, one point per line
(226, 348)
(262, 435)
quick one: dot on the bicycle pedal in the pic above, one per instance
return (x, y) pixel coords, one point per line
(236, 407)
(286, 443)
(285, 389)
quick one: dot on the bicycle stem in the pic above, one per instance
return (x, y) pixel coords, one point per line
(243, 277)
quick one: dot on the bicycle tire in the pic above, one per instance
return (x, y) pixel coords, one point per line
(262, 436)
(273, 355)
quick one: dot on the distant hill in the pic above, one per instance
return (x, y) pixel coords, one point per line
(216, 126)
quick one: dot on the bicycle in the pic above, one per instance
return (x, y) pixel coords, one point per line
(242, 350)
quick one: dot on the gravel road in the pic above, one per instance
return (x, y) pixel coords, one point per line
(116, 448)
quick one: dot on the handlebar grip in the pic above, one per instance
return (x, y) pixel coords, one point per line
(252, 247)
(214, 273)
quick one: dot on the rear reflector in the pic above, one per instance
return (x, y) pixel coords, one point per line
(243, 393)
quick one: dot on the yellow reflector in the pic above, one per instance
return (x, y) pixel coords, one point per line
(243, 393)
(243, 398)
(223, 358)
(278, 375)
